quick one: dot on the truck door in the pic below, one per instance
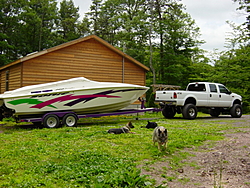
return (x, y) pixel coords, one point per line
(200, 91)
(225, 97)
(213, 96)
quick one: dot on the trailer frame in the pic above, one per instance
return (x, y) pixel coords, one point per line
(70, 118)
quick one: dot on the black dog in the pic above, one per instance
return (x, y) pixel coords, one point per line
(150, 125)
(125, 129)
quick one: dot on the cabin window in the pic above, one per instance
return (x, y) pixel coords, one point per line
(213, 88)
(7, 74)
(196, 87)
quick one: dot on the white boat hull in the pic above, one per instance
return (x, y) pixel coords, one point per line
(101, 97)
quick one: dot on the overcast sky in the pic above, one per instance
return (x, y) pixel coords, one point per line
(209, 15)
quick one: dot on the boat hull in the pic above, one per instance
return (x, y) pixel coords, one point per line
(85, 101)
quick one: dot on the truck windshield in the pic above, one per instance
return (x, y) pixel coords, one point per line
(196, 87)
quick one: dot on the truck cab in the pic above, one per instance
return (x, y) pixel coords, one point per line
(217, 94)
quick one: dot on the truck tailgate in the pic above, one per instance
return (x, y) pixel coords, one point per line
(164, 96)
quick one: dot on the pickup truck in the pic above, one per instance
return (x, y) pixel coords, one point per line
(214, 96)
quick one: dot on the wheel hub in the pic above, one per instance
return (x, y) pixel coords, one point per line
(191, 112)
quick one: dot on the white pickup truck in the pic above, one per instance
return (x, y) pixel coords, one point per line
(214, 96)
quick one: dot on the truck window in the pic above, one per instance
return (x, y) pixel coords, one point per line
(223, 89)
(196, 87)
(213, 88)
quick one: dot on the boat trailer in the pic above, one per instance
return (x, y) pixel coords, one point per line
(70, 118)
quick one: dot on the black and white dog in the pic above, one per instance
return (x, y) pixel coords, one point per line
(160, 135)
(125, 129)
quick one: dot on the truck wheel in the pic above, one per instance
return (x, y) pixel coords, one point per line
(168, 112)
(214, 112)
(70, 120)
(51, 121)
(236, 111)
(189, 111)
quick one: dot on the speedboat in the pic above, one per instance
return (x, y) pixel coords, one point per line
(80, 95)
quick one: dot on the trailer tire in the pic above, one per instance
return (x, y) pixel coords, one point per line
(189, 111)
(70, 120)
(51, 121)
(169, 112)
(236, 111)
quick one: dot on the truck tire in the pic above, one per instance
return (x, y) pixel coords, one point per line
(169, 112)
(214, 112)
(51, 121)
(70, 120)
(189, 111)
(236, 111)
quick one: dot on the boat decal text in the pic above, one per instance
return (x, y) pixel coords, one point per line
(50, 94)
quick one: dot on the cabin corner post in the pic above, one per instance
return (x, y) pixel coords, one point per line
(123, 71)
(21, 76)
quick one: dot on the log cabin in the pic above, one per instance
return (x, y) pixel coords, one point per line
(90, 57)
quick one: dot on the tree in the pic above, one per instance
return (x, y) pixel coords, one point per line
(34, 25)
(10, 9)
(132, 24)
(83, 27)
(5, 49)
(95, 17)
(122, 23)
(37, 21)
(232, 68)
(245, 5)
(178, 35)
(68, 16)
(200, 69)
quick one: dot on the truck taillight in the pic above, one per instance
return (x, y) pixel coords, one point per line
(175, 95)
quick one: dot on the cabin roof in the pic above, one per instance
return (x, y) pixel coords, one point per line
(67, 44)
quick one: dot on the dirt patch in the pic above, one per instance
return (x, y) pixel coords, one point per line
(225, 163)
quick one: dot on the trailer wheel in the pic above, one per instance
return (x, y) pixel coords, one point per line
(70, 120)
(236, 111)
(169, 112)
(189, 111)
(51, 121)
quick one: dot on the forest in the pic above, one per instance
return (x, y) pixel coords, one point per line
(158, 33)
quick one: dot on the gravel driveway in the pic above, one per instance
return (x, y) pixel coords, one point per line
(224, 163)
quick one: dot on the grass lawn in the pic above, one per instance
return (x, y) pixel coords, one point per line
(87, 156)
